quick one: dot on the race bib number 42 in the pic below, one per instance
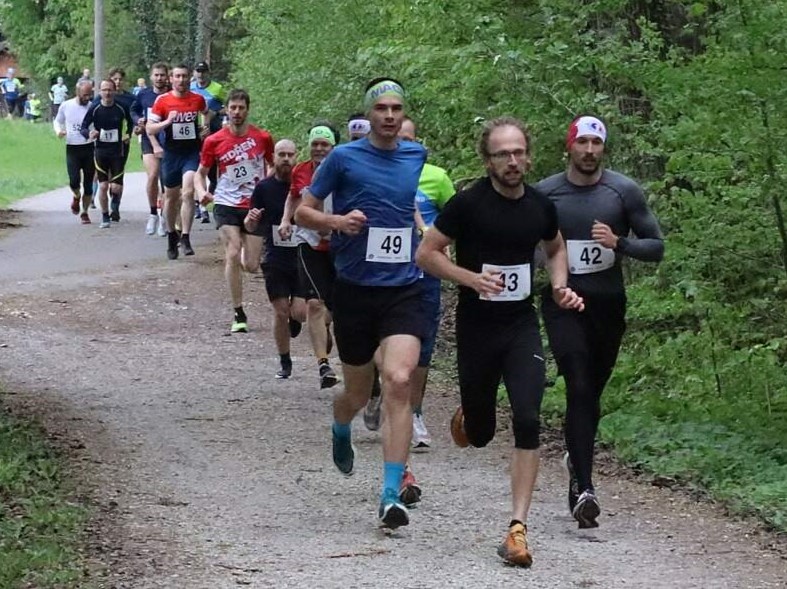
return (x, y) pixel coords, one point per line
(588, 256)
(516, 282)
(184, 131)
(389, 245)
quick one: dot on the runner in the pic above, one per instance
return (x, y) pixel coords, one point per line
(496, 225)
(315, 266)
(377, 296)
(177, 113)
(57, 96)
(79, 151)
(240, 151)
(280, 266)
(151, 147)
(358, 126)
(597, 210)
(11, 89)
(216, 97)
(111, 129)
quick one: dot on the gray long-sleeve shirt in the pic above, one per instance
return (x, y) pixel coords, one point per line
(617, 201)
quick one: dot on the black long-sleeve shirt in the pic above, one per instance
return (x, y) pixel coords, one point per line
(114, 126)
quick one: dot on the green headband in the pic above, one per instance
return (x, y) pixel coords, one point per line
(322, 132)
(380, 89)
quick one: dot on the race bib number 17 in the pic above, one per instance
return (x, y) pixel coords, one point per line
(516, 282)
(389, 245)
(588, 256)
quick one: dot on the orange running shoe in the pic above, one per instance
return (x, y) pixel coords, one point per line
(458, 429)
(514, 547)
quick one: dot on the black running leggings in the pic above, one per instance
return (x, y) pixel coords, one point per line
(81, 167)
(488, 349)
(585, 346)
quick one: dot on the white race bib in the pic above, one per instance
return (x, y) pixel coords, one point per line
(241, 172)
(278, 241)
(587, 257)
(184, 131)
(516, 282)
(389, 246)
(108, 135)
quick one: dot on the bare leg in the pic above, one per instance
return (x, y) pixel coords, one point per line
(524, 470)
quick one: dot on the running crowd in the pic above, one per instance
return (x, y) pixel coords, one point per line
(358, 237)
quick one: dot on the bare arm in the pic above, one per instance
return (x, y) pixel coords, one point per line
(153, 128)
(201, 185)
(285, 227)
(557, 267)
(309, 215)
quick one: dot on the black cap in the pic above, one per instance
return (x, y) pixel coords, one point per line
(202, 67)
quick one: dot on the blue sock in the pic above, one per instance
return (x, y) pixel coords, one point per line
(342, 430)
(392, 476)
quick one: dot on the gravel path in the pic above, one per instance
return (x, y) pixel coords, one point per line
(205, 472)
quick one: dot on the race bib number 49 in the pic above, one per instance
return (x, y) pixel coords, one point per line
(184, 131)
(389, 245)
(588, 256)
(516, 282)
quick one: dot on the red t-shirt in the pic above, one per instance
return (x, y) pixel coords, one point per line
(182, 135)
(302, 175)
(242, 163)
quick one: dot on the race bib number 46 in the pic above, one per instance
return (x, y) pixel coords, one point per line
(184, 131)
(240, 173)
(516, 282)
(588, 256)
(389, 245)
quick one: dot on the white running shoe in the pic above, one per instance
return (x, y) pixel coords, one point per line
(150, 228)
(421, 439)
(162, 226)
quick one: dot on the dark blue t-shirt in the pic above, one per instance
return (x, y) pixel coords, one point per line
(382, 184)
(140, 109)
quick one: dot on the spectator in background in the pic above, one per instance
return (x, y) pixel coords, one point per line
(85, 76)
(139, 87)
(11, 89)
(32, 108)
(57, 96)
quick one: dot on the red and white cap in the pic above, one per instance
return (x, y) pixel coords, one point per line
(585, 126)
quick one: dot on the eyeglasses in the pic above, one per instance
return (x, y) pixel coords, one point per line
(503, 156)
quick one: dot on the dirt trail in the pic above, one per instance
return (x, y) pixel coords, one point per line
(205, 472)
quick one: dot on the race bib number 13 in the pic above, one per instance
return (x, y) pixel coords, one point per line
(588, 256)
(516, 282)
(389, 245)
(183, 131)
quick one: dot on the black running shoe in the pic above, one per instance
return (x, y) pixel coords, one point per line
(327, 376)
(205, 217)
(295, 327)
(172, 245)
(573, 485)
(587, 510)
(185, 243)
(284, 372)
(114, 216)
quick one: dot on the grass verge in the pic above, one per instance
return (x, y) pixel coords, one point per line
(33, 160)
(39, 528)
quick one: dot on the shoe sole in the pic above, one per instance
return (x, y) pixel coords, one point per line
(371, 425)
(394, 517)
(281, 377)
(410, 495)
(421, 447)
(327, 382)
(586, 514)
(172, 254)
(512, 560)
(352, 468)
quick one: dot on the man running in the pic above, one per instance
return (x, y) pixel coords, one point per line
(358, 126)
(111, 130)
(216, 97)
(79, 150)
(58, 94)
(151, 147)
(280, 266)
(315, 266)
(377, 296)
(11, 88)
(177, 113)
(597, 210)
(496, 225)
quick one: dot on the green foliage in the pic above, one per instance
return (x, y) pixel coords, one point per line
(39, 528)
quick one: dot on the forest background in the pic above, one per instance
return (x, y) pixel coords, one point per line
(694, 99)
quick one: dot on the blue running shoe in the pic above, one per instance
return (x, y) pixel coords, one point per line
(343, 454)
(393, 514)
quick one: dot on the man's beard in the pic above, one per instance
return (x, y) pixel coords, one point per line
(512, 181)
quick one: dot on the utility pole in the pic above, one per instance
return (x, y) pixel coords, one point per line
(98, 46)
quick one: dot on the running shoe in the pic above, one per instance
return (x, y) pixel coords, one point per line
(371, 413)
(327, 376)
(162, 226)
(343, 454)
(295, 327)
(573, 485)
(284, 372)
(197, 211)
(75, 205)
(150, 227)
(104, 221)
(238, 326)
(410, 490)
(392, 513)
(185, 242)
(114, 216)
(587, 510)
(458, 429)
(85, 218)
(514, 549)
(172, 245)
(421, 438)
(205, 216)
